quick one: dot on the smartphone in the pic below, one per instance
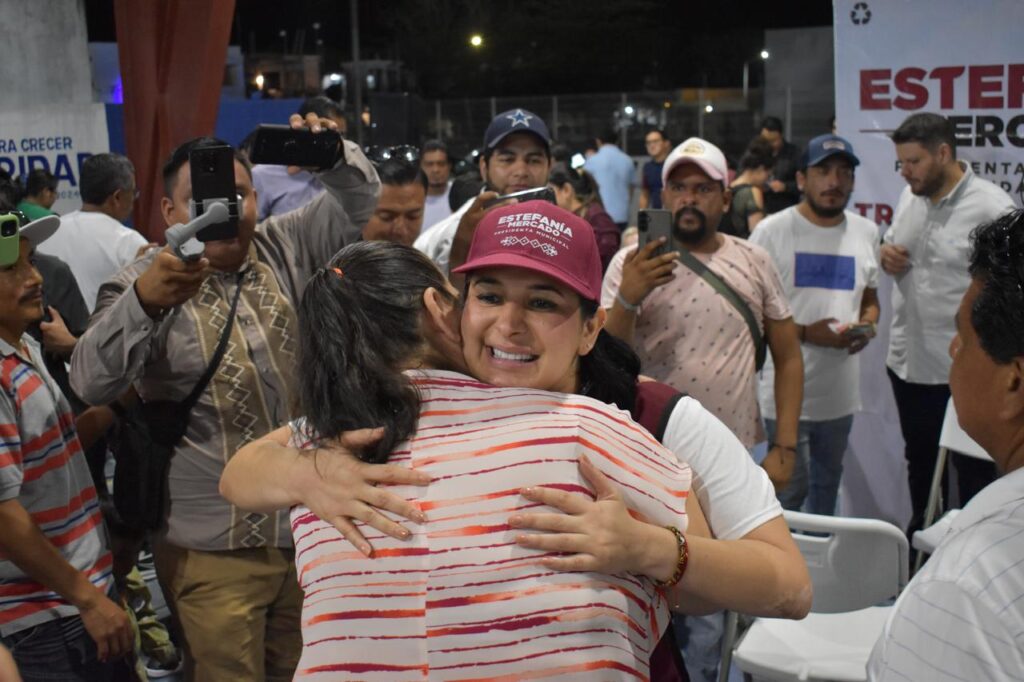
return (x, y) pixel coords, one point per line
(213, 177)
(10, 248)
(542, 193)
(859, 329)
(653, 223)
(286, 146)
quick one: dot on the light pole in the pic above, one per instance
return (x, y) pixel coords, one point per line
(746, 71)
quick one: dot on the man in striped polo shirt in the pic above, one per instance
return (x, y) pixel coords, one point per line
(960, 617)
(55, 569)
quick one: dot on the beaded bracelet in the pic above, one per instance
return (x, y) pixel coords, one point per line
(681, 562)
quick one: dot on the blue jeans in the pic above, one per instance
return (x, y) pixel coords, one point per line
(820, 447)
(700, 639)
(58, 650)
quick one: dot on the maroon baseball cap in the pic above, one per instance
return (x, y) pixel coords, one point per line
(538, 236)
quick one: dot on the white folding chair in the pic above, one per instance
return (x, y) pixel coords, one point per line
(855, 564)
(952, 438)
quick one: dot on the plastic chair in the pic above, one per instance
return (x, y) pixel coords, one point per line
(952, 438)
(855, 564)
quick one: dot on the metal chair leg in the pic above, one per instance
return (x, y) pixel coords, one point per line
(934, 507)
(728, 642)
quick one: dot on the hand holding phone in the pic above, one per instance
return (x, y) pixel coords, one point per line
(653, 224)
(286, 146)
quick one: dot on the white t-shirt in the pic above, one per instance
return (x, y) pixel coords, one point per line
(95, 247)
(735, 493)
(436, 241)
(437, 208)
(824, 272)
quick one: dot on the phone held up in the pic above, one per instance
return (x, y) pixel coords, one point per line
(286, 146)
(536, 193)
(213, 177)
(9, 239)
(653, 223)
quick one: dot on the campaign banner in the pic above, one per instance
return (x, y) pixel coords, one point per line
(58, 139)
(894, 58)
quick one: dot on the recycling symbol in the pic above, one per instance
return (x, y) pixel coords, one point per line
(860, 14)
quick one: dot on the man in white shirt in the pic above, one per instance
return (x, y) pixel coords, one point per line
(827, 258)
(92, 240)
(437, 166)
(961, 616)
(926, 250)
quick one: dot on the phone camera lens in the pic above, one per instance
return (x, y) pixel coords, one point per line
(9, 229)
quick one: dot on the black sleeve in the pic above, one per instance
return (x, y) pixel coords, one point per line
(61, 291)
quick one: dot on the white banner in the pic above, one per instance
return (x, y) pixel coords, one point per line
(57, 139)
(963, 60)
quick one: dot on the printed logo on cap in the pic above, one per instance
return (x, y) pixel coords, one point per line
(519, 118)
(833, 144)
(534, 231)
(694, 147)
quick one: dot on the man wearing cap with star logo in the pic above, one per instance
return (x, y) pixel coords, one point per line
(516, 156)
(828, 260)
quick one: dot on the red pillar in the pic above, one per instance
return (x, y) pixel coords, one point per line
(172, 55)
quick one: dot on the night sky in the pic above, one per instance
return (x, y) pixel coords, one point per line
(531, 46)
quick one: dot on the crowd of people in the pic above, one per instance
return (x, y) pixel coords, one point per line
(402, 426)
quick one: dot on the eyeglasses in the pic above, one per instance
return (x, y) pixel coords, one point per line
(406, 152)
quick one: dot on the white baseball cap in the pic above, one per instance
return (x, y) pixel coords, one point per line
(707, 156)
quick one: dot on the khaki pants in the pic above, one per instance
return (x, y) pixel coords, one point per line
(239, 611)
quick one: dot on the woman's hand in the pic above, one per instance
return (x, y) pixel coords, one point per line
(339, 488)
(600, 535)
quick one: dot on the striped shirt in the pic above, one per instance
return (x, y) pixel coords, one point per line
(962, 616)
(460, 600)
(43, 468)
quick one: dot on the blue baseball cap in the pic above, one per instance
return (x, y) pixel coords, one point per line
(824, 146)
(516, 121)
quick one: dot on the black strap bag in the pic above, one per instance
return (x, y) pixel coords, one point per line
(145, 435)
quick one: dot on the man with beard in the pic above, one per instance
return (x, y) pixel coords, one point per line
(828, 260)
(926, 250)
(516, 156)
(690, 336)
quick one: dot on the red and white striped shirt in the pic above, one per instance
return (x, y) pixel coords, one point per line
(460, 600)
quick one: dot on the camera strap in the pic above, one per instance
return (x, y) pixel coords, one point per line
(218, 354)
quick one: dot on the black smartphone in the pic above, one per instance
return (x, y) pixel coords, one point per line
(213, 177)
(653, 223)
(542, 193)
(285, 146)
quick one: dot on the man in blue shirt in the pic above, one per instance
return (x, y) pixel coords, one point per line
(614, 171)
(658, 146)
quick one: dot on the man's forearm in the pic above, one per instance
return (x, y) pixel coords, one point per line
(621, 323)
(25, 545)
(869, 307)
(789, 395)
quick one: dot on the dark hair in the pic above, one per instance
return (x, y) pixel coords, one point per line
(757, 155)
(609, 371)
(356, 330)
(656, 130)
(38, 180)
(321, 105)
(582, 182)
(928, 130)
(772, 123)
(399, 172)
(464, 188)
(10, 193)
(607, 136)
(997, 261)
(104, 174)
(435, 146)
(179, 157)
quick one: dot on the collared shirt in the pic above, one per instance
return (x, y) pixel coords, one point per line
(690, 337)
(95, 247)
(926, 297)
(279, 192)
(251, 393)
(459, 599)
(962, 616)
(436, 242)
(615, 175)
(43, 468)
